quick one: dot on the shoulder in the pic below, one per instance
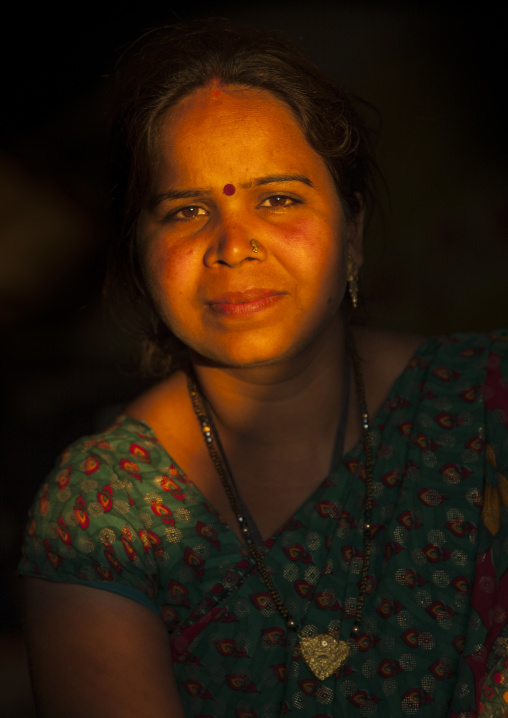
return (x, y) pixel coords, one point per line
(104, 477)
(167, 410)
(384, 356)
(96, 455)
(467, 357)
(90, 519)
(163, 394)
(388, 352)
(496, 394)
(471, 357)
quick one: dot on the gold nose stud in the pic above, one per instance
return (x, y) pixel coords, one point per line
(254, 245)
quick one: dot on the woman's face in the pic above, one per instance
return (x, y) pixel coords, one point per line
(234, 175)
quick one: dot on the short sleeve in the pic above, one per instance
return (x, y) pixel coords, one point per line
(85, 525)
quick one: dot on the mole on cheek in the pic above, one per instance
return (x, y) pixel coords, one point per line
(229, 189)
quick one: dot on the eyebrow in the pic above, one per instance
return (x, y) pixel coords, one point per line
(196, 192)
(180, 194)
(272, 179)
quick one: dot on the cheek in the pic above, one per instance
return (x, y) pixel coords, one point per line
(317, 251)
(315, 230)
(168, 271)
(301, 234)
(314, 246)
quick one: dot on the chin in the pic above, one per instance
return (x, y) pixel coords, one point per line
(250, 355)
(239, 360)
(252, 349)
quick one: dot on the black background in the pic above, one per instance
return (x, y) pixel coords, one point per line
(436, 71)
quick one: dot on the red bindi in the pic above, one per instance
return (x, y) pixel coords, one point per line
(229, 189)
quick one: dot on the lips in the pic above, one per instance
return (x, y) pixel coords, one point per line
(250, 295)
(246, 302)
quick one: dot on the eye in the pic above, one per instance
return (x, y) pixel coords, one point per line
(186, 213)
(279, 200)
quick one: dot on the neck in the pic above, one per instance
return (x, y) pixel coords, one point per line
(283, 402)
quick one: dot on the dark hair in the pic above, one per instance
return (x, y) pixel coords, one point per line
(169, 63)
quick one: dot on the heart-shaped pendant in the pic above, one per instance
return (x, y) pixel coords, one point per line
(324, 654)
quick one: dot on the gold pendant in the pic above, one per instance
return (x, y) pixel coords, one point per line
(324, 654)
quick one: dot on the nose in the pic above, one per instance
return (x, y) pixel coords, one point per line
(233, 244)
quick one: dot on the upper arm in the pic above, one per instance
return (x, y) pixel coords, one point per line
(95, 653)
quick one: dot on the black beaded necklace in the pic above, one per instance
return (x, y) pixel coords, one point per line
(323, 653)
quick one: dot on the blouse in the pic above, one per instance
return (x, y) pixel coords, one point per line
(118, 514)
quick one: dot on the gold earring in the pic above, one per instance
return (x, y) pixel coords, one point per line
(352, 280)
(254, 245)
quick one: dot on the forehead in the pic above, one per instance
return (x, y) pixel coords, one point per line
(218, 101)
(235, 129)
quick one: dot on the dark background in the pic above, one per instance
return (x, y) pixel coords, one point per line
(437, 263)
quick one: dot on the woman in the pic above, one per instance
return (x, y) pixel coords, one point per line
(302, 517)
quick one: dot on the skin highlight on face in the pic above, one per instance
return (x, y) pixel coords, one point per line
(224, 301)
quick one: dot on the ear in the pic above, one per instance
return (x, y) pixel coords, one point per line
(355, 233)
